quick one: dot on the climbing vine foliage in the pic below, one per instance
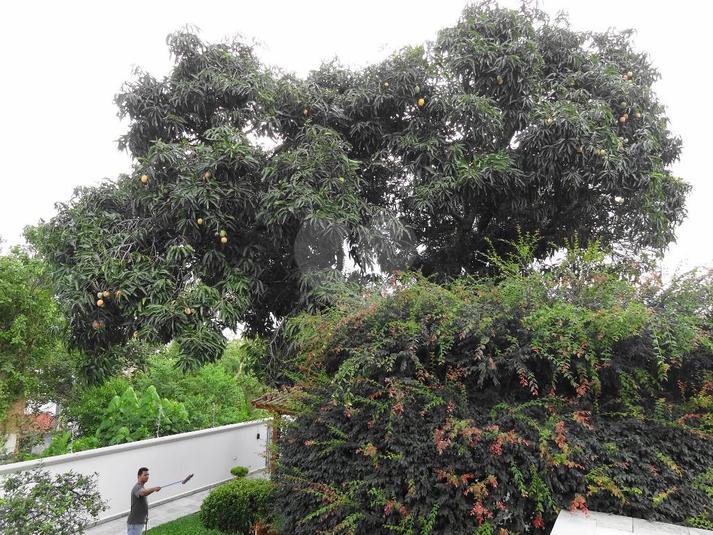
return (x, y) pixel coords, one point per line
(488, 404)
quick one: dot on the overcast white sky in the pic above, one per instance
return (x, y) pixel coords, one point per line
(63, 62)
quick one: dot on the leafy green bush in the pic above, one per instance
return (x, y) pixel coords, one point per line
(239, 471)
(213, 395)
(62, 443)
(237, 505)
(129, 418)
(87, 406)
(125, 418)
(491, 403)
(37, 502)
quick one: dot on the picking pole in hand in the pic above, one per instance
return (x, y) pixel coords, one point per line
(181, 481)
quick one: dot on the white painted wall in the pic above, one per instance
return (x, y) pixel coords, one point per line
(209, 454)
(596, 523)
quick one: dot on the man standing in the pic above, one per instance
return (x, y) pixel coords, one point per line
(139, 514)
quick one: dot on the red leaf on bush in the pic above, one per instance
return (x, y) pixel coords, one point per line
(478, 490)
(480, 512)
(368, 451)
(583, 388)
(472, 434)
(578, 503)
(465, 478)
(538, 522)
(707, 387)
(441, 441)
(582, 417)
(560, 438)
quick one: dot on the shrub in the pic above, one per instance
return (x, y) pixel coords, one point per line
(213, 394)
(129, 418)
(87, 406)
(490, 404)
(61, 441)
(123, 418)
(237, 505)
(239, 471)
(37, 502)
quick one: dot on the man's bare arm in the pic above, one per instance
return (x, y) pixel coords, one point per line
(146, 492)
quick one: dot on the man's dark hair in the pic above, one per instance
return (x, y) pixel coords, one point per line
(142, 470)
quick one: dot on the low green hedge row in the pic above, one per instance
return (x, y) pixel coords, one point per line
(236, 506)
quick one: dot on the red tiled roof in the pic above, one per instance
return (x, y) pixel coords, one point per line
(43, 421)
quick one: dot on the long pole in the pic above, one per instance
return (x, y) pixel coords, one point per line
(174, 483)
(184, 481)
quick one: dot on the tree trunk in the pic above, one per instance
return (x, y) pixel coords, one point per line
(276, 423)
(15, 422)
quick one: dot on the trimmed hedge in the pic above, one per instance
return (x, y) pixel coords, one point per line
(236, 506)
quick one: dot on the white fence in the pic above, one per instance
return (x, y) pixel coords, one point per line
(209, 454)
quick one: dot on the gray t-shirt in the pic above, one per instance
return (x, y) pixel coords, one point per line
(139, 506)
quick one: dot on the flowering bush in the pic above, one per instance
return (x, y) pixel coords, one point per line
(490, 404)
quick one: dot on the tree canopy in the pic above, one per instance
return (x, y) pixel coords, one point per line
(33, 358)
(249, 181)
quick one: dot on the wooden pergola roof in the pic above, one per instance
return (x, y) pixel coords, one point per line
(278, 401)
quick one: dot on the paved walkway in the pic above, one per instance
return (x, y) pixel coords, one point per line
(160, 514)
(157, 515)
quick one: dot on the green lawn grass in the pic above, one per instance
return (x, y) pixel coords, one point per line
(188, 525)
